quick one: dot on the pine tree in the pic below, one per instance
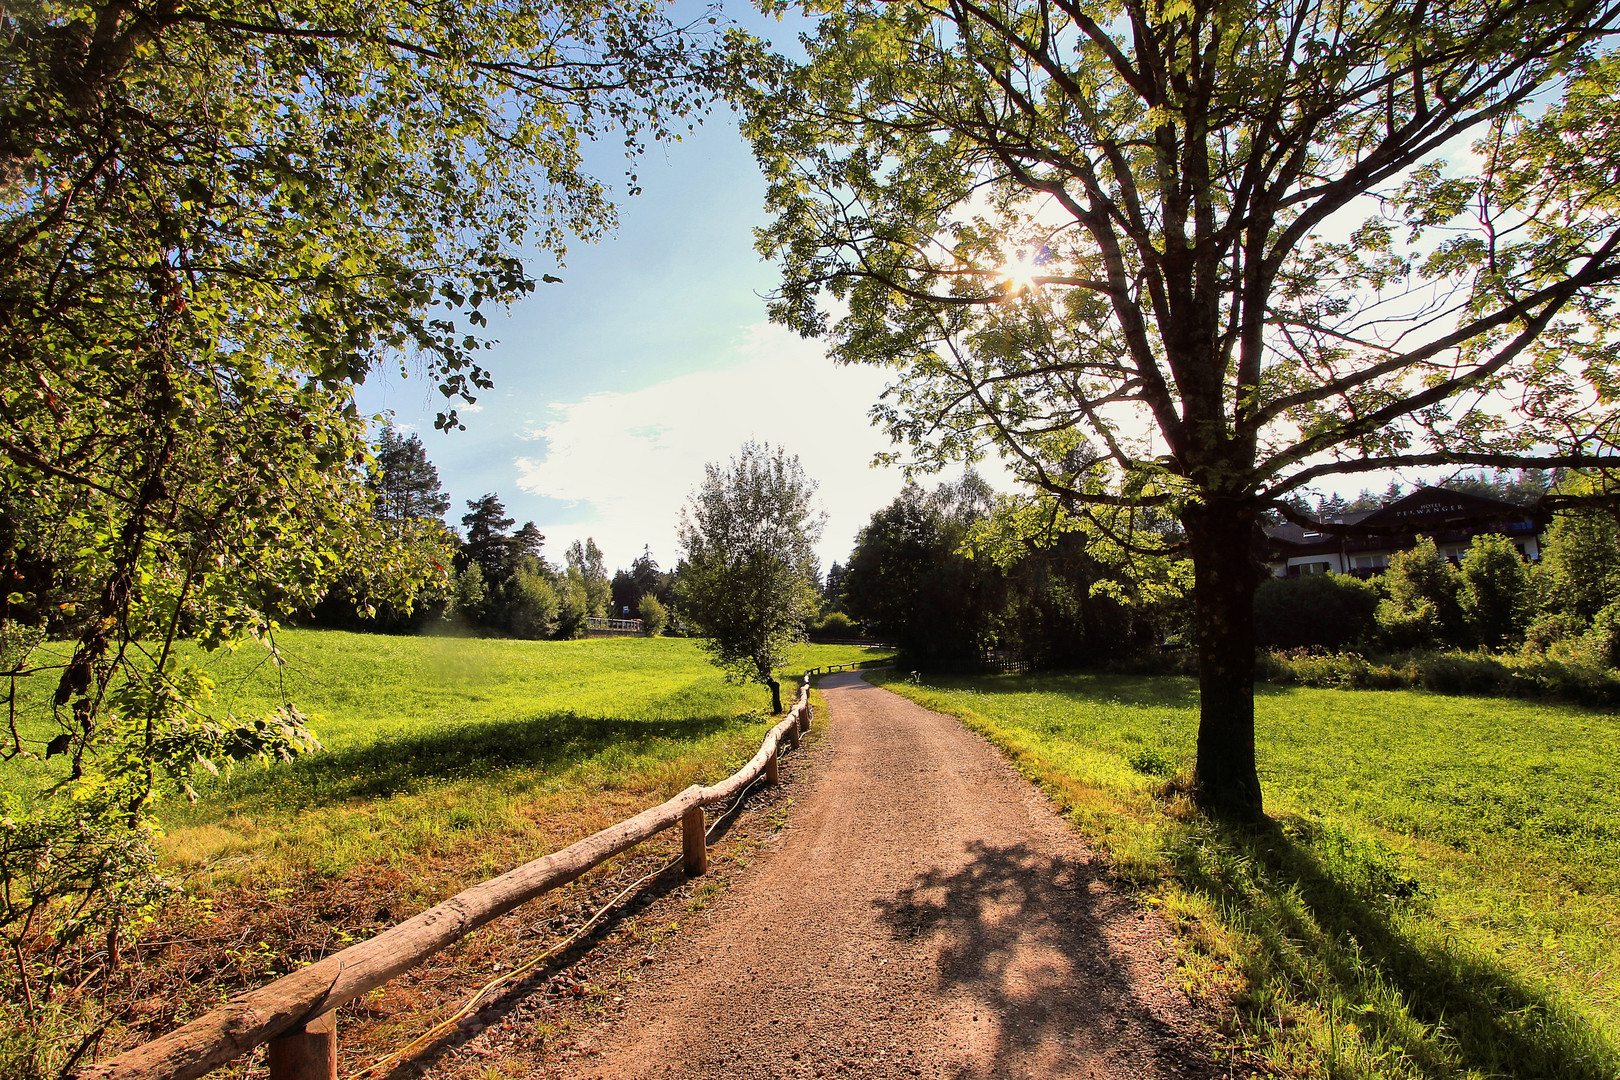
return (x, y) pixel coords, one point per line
(488, 543)
(405, 482)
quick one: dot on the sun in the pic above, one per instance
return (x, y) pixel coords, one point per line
(1019, 271)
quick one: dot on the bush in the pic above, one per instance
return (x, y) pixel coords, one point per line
(1320, 611)
(529, 604)
(1580, 562)
(1575, 678)
(835, 624)
(1152, 761)
(1424, 606)
(1332, 671)
(1601, 642)
(653, 615)
(1495, 595)
(1552, 628)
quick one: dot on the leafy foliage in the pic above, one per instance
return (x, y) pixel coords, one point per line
(1580, 563)
(1329, 611)
(405, 483)
(1424, 605)
(653, 615)
(909, 581)
(749, 580)
(1496, 592)
(217, 218)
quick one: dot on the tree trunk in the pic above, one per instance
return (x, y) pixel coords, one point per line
(1221, 535)
(776, 697)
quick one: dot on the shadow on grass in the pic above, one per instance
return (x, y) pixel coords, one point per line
(404, 763)
(1170, 692)
(1326, 910)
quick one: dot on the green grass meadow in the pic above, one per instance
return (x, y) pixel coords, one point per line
(447, 757)
(1439, 895)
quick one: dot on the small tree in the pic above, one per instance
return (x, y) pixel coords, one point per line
(529, 600)
(586, 565)
(469, 594)
(652, 614)
(1495, 594)
(1580, 563)
(749, 583)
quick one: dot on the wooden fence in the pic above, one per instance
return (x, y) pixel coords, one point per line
(856, 665)
(296, 1014)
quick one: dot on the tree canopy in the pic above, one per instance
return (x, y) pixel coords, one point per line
(216, 218)
(1199, 254)
(404, 483)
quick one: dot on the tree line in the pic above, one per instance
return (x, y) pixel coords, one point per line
(494, 578)
(958, 580)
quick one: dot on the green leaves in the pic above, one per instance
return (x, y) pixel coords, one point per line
(749, 580)
(216, 217)
(1257, 229)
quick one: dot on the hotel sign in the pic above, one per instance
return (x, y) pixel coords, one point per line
(1430, 508)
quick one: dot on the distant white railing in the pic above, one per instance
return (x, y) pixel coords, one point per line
(597, 625)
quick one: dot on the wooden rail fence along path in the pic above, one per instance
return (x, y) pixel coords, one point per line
(857, 665)
(296, 1013)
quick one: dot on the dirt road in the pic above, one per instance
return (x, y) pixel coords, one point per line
(926, 914)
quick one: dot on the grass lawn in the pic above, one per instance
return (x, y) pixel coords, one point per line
(446, 761)
(434, 745)
(1440, 896)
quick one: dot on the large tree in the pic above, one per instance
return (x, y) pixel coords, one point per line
(910, 582)
(749, 580)
(1196, 254)
(216, 217)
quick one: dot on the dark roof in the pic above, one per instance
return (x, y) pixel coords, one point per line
(1289, 533)
(1426, 510)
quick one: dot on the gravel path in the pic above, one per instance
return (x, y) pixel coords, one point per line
(925, 914)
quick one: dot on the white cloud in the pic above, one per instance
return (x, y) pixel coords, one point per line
(633, 457)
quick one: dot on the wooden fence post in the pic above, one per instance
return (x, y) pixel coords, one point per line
(807, 715)
(308, 1052)
(770, 768)
(793, 731)
(694, 842)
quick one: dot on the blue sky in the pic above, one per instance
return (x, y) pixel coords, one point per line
(653, 356)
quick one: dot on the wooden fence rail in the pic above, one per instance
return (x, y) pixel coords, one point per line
(296, 1013)
(830, 669)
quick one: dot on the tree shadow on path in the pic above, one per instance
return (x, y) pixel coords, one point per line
(1063, 971)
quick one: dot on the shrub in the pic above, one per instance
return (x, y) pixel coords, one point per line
(529, 604)
(653, 615)
(1580, 561)
(1576, 677)
(1408, 627)
(468, 594)
(1601, 642)
(835, 624)
(1152, 761)
(1332, 671)
(1423, 606)
(1495, 593)
(1552, 628)
(1322, 611)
